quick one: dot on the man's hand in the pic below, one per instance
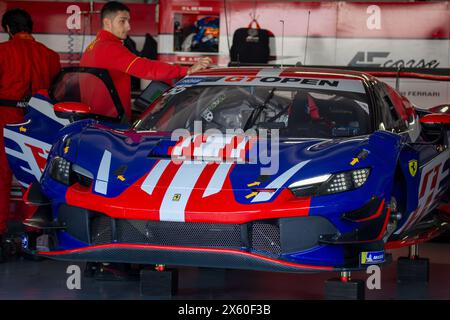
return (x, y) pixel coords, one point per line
(201, 64)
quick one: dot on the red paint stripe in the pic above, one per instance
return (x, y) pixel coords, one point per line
(190, 249)
(26, 194)
(415, 240)
(445, 208)
(424, 184)
(435, 118)
(375, 215)
(436, 175)
(408, 75)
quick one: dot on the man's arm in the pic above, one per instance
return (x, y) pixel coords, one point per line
(121, 59)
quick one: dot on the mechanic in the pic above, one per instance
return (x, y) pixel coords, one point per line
(107, 51)
(26, 66)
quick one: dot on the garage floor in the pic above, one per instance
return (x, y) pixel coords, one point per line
(26, 279)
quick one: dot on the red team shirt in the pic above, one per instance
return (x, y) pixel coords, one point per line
(108, 52)
(26, 66)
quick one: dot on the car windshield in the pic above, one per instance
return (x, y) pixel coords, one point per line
(295, 112)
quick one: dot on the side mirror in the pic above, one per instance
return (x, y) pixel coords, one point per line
(72, 110)
(443, 108)
(436, 118)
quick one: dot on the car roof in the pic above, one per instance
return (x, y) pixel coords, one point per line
(297, 72)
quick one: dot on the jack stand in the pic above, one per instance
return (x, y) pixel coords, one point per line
(412, 268)
(344, 288)
(160, 282)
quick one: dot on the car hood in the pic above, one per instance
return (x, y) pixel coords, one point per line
(135, 177)
(153, 161)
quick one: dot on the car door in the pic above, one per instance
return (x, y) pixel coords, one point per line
(28, 144)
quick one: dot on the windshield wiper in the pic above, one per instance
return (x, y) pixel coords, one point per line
(257, 111)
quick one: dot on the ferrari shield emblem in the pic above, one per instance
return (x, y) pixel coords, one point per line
(412, 167)
(176, 197)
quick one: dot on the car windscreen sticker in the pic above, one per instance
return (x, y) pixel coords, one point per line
(190, 81)
(291, 82)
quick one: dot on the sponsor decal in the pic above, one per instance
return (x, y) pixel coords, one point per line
(251, 195)
(412, 165)
(421, 93)
(380, 59)
(372, 257)
(254, 184)
(360, 156)
(190, 81)
(296, 82)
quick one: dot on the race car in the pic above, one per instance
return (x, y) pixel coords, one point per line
(281, 169)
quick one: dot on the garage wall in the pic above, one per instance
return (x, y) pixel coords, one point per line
(69, 27)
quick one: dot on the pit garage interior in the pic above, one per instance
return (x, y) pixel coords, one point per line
(404, 44)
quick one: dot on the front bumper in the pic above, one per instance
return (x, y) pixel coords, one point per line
(283, 244)
(294, 244)
(181, 256)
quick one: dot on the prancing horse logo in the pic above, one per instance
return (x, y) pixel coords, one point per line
(412, 164)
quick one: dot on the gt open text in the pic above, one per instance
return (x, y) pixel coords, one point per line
(225, 310)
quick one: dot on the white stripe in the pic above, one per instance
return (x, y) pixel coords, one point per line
(218, 179)
(46, 108)
(182, 184)
(278, 182)
(26, 154)
(101, 184)
(153, 177)
(178, 149)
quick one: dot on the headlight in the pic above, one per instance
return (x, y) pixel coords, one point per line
(330, 183)
(60, 170)
(63, 171)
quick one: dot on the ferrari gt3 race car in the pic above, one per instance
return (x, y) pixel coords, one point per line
(291, 169)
